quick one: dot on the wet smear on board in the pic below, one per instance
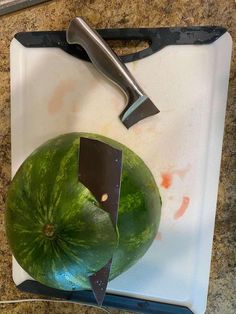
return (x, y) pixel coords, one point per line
(182, 172)
(183, 207)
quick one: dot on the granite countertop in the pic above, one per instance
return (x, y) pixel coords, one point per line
(55, 15)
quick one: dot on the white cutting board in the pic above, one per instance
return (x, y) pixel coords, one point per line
(54, 93)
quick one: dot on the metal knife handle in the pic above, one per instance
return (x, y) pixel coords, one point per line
(103, 58)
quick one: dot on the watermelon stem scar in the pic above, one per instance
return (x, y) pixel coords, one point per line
(49, 230)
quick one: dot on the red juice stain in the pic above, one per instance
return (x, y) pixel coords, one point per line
(182, 209)
(166, 179)
(159, 236)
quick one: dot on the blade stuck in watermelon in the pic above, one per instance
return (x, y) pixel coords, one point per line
(100, 168)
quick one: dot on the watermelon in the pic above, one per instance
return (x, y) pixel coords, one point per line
(57, 230)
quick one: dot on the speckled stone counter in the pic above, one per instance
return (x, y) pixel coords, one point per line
(55, 15)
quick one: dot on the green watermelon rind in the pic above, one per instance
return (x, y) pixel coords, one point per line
(49, 176)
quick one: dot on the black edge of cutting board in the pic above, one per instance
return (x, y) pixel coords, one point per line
(111, 300)
(158, 38)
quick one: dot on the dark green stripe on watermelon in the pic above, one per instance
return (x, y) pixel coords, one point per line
(56, 229)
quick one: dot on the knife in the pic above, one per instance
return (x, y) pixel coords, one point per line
(100, 168)
(139, 105)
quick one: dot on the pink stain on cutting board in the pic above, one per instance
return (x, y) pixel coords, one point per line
(183, 207)
(167, 178)
(158, 236)
(61, 91)
(182, 172)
